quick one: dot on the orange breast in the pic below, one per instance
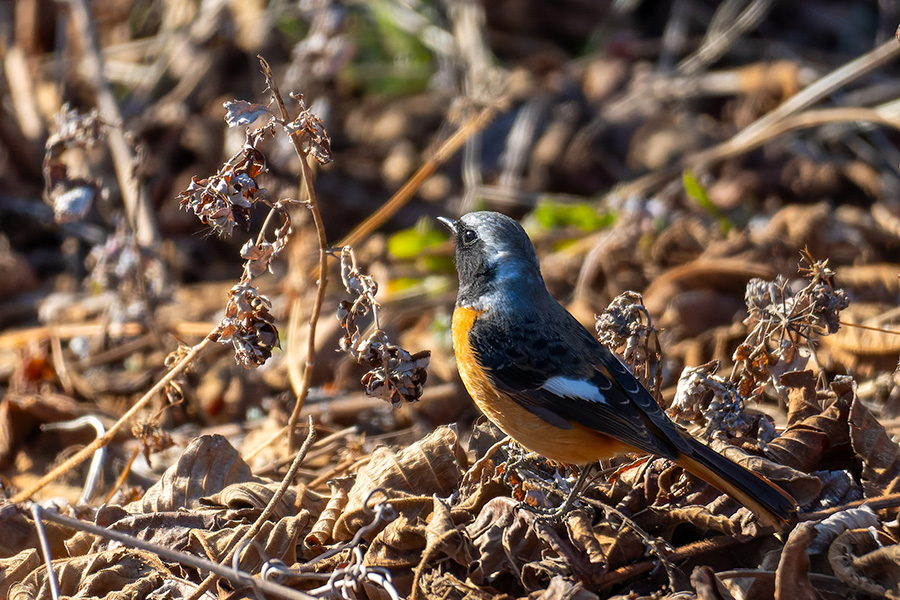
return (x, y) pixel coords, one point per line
(578, 445)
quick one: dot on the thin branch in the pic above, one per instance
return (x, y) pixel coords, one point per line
(403, 195)
(267, 512)
(176, 556)
(86, 452)
(323, 256)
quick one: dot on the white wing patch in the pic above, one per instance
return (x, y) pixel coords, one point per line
(574, 388)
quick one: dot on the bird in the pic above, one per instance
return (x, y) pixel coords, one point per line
(538, 374)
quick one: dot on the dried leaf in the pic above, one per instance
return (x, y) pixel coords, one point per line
(801, 395)
(563, 588)
(503, 540)
(121, 571)
(668, 517)
(252, 494)
(583, 537)
(398, 547)
(321, 531)
(444, 536)
(281, 541)
(15, 568)
(806, 441)
(241, 112)
(207, 466)
(879, 453)
(433, 465)
(169, 529)
(804, 488)
(708, 586)
(829, 529)
(792, 576)
(863, 563)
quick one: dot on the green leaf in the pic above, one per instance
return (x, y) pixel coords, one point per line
(551, 214)
(409, 243)
(698, 193)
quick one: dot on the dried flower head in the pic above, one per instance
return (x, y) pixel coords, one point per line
(71, 196)
(249, 326)
(394, 374)
(308, 127)
(625, 326)
(259, 254)
(123, 265)
(782, 321)
(223, 200)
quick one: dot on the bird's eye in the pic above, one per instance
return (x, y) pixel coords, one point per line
(469, 237)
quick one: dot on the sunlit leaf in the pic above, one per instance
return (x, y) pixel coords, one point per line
(553, 215)
(698, 193)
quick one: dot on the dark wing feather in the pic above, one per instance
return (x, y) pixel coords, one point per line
(630, 414)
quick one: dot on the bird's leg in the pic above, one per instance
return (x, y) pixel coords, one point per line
(561, 511)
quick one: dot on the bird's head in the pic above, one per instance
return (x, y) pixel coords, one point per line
(493, 256)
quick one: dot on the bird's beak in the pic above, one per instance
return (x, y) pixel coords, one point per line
(451, 225)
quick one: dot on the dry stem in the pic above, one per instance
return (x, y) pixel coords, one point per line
(138, 209)
(322, 282)
(267, 512)
(86, 452)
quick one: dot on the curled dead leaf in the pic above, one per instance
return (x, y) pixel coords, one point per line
(503, 540)
(792, 575)
(879, 453)
(804, 488)
(708, 586)
(15, 568)
(443, 535)
(699, 516)
(863, 563)
(277, 539)
(582, 535)
(433, 465)
(105, 574)
(811, 433)
(207, 466)
(399, 547)
(320, 533)
(829, 529)
(253, 494)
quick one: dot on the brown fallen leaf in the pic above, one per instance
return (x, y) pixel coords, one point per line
(503, 539)
(254, 494)
(792, 575)
(866, 564)
(811, 434)
(879, 453)
(276, 539)
(207, 466)
(433, 465)
(804, 488)
(708, 586)
(15, 568)
(399, 548)
(101, 575)
(320, 534)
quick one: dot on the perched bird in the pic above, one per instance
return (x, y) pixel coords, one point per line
(547, 382)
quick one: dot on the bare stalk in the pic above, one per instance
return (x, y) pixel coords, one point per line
(322, 282)
(267, 512)
(136, 206)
